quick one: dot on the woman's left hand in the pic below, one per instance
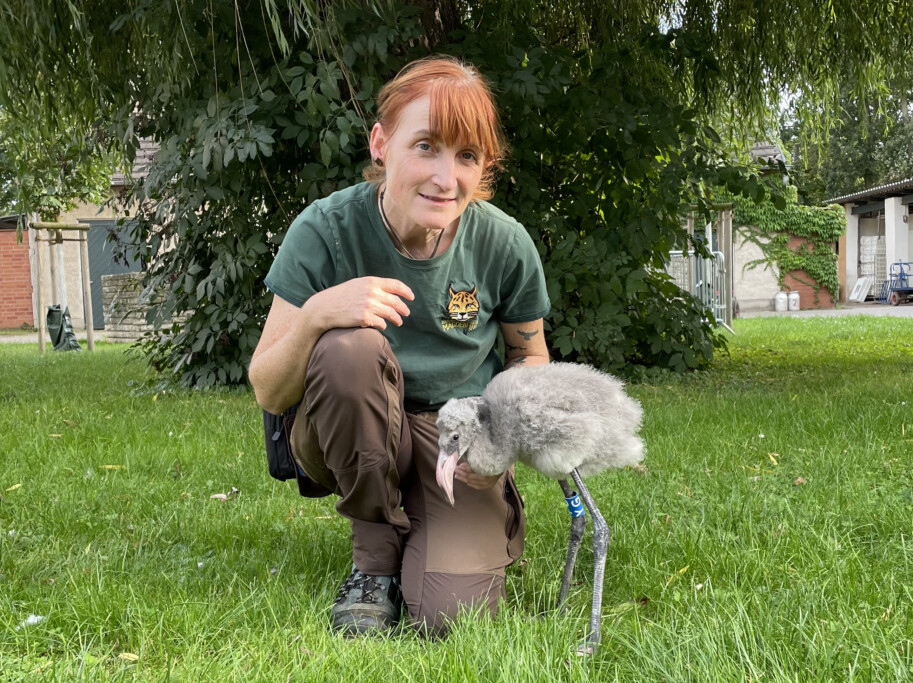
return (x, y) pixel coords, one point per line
(465, 474)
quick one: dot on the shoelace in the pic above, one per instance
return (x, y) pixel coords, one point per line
(363, 582)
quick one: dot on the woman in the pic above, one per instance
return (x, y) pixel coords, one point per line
(388, 298)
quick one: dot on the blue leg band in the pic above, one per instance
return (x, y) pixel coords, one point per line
(574, 506)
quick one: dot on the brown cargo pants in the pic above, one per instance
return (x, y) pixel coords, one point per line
(353, 436)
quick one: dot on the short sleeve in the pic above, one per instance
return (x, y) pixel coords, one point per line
(306, 262)
(523, 293)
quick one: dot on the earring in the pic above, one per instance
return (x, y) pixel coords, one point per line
(379, 162)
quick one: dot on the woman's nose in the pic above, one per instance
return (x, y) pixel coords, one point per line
(445, 173)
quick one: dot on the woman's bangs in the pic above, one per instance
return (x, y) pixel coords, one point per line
(460, 114)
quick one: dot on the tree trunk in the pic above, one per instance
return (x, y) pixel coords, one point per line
(439, 18)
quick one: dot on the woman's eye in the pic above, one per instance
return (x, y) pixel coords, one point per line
(424, 146)
(469, 156)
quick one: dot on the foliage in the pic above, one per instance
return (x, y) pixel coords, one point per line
(601, 175)
(603, 239)
(234, 168)
(770, 228)
(261, 107)
(240, 157)
(870, 144)
(48, 171)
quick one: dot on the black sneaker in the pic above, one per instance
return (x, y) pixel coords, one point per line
(367, 604)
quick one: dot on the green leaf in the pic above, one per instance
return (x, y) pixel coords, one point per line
(326, 154)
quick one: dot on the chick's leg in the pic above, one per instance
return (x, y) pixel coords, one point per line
(578, 527)
(600, 547)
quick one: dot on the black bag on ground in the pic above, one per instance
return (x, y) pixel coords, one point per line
(60, 329)
(278, 449)
(277, 430)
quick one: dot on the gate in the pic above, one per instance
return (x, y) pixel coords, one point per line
(704, 278)
(709, 279)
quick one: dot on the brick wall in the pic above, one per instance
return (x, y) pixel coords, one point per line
(796, 282)
(15, 281)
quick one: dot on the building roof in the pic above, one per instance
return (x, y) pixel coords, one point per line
(9, 222)
(895, 189)
(144, 157)
(768, 153)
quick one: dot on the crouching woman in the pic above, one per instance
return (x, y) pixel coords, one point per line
(388, 299)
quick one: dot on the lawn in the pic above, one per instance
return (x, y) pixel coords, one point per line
(770, 537)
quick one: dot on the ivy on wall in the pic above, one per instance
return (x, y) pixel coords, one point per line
(770, 229)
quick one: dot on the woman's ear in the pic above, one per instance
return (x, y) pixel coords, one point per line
(377, 142)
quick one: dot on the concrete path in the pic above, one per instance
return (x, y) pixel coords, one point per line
(853, 308)
(32, 337)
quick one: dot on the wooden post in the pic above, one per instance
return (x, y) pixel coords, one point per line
(86, 288)
(42, 320)
(61, 270)
(55, 232)
(51, 241)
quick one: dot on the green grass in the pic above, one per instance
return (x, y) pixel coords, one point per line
(723, 564)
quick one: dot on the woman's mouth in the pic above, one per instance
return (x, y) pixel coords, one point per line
(438, 200)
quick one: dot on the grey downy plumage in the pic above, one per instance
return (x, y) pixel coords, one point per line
(564, 420)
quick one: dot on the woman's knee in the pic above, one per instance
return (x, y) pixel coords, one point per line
(347, 358)
(349, 343)
(444, 596)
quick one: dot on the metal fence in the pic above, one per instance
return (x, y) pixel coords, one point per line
(704, 278)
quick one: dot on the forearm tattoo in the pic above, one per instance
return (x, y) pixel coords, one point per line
(511, 347)
(527, 335)
(519, 360)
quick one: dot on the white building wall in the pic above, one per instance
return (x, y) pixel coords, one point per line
(754, 288)
(72, 274)
(897, 234)
(852, 247)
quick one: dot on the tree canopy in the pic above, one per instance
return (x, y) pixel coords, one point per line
(621, 117)
(48, 170)
(870, 143)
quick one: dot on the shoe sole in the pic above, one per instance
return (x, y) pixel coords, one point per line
(351, 624)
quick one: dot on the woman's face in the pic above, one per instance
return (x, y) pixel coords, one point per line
(428, 183)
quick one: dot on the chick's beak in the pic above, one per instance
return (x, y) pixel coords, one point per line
(446, 466)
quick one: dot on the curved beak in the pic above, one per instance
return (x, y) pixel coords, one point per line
(446, 466)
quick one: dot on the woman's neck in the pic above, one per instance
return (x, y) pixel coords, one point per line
(413, 241)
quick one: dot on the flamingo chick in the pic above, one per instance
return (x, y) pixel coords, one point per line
(562, 419)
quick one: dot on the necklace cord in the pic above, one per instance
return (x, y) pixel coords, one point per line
(396, 238)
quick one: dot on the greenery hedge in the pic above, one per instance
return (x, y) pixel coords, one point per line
(606, 158)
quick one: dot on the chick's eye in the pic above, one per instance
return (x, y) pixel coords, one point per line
(456, 437)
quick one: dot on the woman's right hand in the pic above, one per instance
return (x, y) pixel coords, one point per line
(362, 302)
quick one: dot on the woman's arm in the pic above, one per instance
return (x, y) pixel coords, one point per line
(279, 364)
(525, 343)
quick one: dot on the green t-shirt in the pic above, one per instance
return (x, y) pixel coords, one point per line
(491, 273)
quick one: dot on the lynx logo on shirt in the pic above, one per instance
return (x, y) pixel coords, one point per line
(462, 310)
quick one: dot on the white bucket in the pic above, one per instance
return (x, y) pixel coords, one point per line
(780, 302)
(794, 301)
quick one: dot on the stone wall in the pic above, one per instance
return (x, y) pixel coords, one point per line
(125, 313)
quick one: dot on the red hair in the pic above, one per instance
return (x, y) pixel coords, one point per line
(462, 111)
